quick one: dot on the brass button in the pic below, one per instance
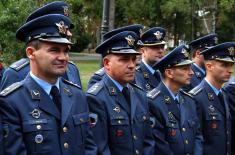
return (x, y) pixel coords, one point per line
(81, 120)
(66, 145)
(119, 122)
(213, 117)
(65, 129)
(39, 127)
(137, 152)
(135, 137)
(144, 117)
(186, 141)
(183, 129)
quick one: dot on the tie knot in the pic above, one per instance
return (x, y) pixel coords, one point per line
(54, 91)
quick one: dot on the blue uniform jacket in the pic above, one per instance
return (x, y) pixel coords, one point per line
(197, 77)
(229, 88)
(214, 118)
(96, 77)
(145, 79)
(177, 130)
(19, 70)
(34, 126)
(122, 128)
(1, 136)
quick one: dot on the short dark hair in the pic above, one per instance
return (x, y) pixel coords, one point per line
(35, 43)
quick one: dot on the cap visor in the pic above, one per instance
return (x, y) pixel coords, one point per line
(226, 59)
(57, 40)
(186, 62)
(125, 51)
(154, 44)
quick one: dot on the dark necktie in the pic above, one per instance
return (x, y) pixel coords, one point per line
(157, 75)
(178, 106)
(221, 98)
(126, 94)
(56, 97)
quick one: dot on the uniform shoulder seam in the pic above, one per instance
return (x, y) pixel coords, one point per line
(153, 93)
(195, 91)
(71, 83)
(95, 89)
(19, 64)
(11, 89)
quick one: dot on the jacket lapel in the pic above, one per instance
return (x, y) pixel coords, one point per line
(133, 102)
(66, 102)
(212, 97)
(169, 101)
(182, 109)
(37, 93)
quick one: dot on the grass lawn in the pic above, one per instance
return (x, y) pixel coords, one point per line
(87, 68)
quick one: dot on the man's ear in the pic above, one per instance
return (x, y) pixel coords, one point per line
(106, 62)
(30, 52)
(169, 73)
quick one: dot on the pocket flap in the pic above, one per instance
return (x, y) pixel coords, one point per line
(81, 118)
(119, 121)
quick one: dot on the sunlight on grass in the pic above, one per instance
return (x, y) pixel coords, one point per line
(87, 68)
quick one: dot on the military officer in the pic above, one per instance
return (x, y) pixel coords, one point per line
(212, 102)
(97, 76)
(177, 129)
(152, 48)
(19, 69)
(45, 114)
(123, 125)
(197, 46)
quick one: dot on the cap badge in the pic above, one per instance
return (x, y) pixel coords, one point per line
(158, 35)
(216, 40)
(61, 27)
(130, 40)
(66, 10)
(185, 53)
(231, 51)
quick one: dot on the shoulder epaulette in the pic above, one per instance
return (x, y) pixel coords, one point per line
(185, 93)
(95, 89)
(195, 90)
(11, 88)
(71, 83)
(100, 72)
(136, 86)
(71, 62)
(18, 65)
(153, 93)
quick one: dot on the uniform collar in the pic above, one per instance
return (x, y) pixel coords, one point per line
(148, 67)
(199, 68)
(45, 85)
(117, 84)
(216, 91)
(170, 92)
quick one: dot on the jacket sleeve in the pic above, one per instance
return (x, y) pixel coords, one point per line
(162, 147)
(100, 129)
(13, 137)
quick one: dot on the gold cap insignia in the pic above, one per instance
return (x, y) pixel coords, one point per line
(158, 35)
(66, 10)
(61, 27)
(130, 40)
(231, 51)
